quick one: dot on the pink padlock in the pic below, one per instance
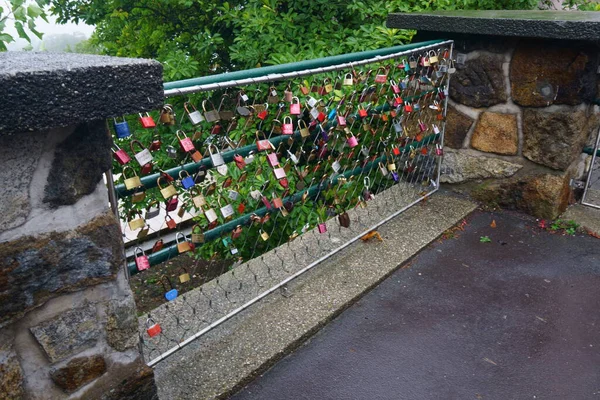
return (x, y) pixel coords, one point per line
(341, 120)
(288, 126)
(185, 142)
(295, 106)
(352, 141)
(439, 151)
(322, 227)
(121, 155)
(272, 159)
(279, 173)
(422, 126)
(141, 261)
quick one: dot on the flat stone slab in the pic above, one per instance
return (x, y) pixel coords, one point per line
(515, 318)
(570, 25)
(48, 90)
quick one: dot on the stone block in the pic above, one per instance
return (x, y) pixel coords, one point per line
(35, 269)
(459, 166)
(122, 324)
(139, 385)
(79, 162)
(75, 88)
(68, 333)
(496, 133)
(78, 372)
(18, 160)
(457, 127)
(480, 82)
(542, 74)
(555, 139)
(541, 195)
(11, 374)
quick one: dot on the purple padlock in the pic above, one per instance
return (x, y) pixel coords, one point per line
(395, 176)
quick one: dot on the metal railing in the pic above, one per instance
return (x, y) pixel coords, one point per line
(365, 146)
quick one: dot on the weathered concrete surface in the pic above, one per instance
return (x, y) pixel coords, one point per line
(78, 372)
(241, 348)
(569, 25)
(74, 87)
(512, 319)
(460, 166)
(587, 217)
(59, 262)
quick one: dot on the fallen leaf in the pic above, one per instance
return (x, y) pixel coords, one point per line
(493, 224)
(490, 361)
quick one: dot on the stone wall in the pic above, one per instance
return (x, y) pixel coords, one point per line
(519, 114)
(68, 324)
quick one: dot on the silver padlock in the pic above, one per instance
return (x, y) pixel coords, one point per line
(153, 210)
(211, 115)
(293, 157)
(171, 152)
(195, 116)
(249, 158)
(210, 215)
(143, 157)
(217, 157)
(227, 211)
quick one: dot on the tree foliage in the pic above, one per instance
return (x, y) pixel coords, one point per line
(23, 15)
(200, 37)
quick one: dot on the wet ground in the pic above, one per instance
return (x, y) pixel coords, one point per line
(504, 312)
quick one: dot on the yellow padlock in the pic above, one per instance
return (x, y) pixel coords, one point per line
(134, 181)
(185, 277)
(182, 246)
(167, 191)
(135, 223)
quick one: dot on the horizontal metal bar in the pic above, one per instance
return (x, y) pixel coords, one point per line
(293, 70)
(171, 251)
(282, 283)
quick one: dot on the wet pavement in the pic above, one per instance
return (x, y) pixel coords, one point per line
(515, 318)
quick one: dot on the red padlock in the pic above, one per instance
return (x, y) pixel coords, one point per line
(147, 121)
(239, 161)
(158, 246)
(172, 203)
(171, 224)
(215, 130)
(284, 183)
(408, 107)
(156, 143)
(295, 106)
(146, 169)
(185, 142)
(362, 112)
(152, 328)
(121, 155)
(141, 261)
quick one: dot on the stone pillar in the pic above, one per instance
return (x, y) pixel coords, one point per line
(68, 324)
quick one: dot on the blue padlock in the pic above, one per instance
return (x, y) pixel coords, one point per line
(170, 295)
(121, 128)
(332, 114)
(186, 181)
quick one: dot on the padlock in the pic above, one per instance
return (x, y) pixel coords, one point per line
(327, 86)
(277, 202)
(121, 128)
(182, 245)
(200, 175)
(425, 61)
(210, 115)
(398, 101)
(412, 62)
(362, 112)
(222, 169)
(408, 107)
(210, 215)
(348, 80)
(261, 111)
(433, 57)
(138, 196)
(237, 232)
(422, 126)
(394, 86)
(439, 151)
(135, 223)
(381, 76)
(141, 261)
(292, 157)
(170, 222)
(198, 200)
(158, 246)
(295, 108)
(351, 140)
(322, 227)
(304, 90)
(152, 210)
(210, 189)
(170, 294)
(143, 157)
(197, 235)
(391, 166)
(171, 204)
(152, 328)
(395, 176)
(436, 129)
(216, 129)
(217, 157)
(147, 121)
(196, 156)
(132, 182)
(272, 98)
(288, 126)
(239, 161)
(382, 169)
(185, 276)
(279, 173)
(226, 210)
(304, 132)
(146, 169)
(167, 115)
(156, 143)
(184, 141)
(341, 121)
(186, 180)
(263, 235)
(227, 182)
(397, 125)
(120, 155)
(344, 219)
(193, 114)
(167, 191)
(272, 159)
(233, 195)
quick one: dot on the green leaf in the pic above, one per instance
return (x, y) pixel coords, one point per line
(21, 31)
(34, 11)
(485, 239)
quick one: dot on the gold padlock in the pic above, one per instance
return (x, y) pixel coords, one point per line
(264, 235)
(304, 132)
(184, 245)
(185, 277)
(134, 181)
(167, 116)
(181, 211)
(136, 223)
(197, 235)
(198, 200)
(138, 196)
(167, 191)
